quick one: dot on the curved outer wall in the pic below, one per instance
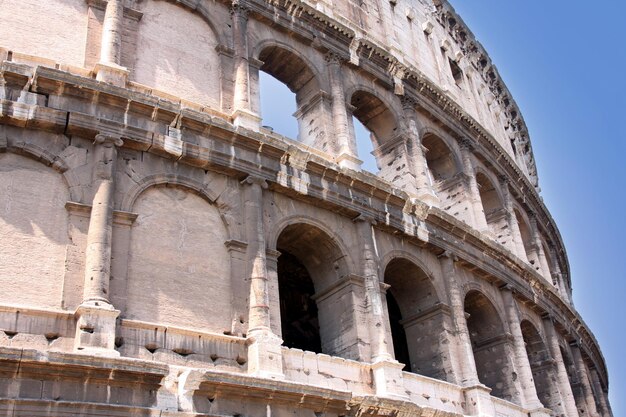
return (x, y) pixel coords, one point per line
(151, 228)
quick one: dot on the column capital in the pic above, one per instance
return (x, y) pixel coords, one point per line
(466, 144)
(332, 57)
(408, 102)
(254, 180)
(447, 254)
(507, 288)
(366, 218)
(108, 141)
(239, 9)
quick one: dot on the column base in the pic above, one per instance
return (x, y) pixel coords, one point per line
(111, 73)
(388, 379)
(265, 357)
(348, 161)
(540, 412)
(247, 120)
(478, 401)
(95, 329)
(428, 198)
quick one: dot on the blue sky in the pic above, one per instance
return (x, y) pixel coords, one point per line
(564, 62)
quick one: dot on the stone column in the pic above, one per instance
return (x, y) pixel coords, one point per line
(466, 364)
(477, 396)
(387, 372)
(242, 111)
(346, 143)
(600, 393)
(522, 364)
(583, 378)
(417, 155)
(557, 275)
(95, 330)
(543, 267)
(264, 350)
(565, 388)
(109, 69)
(516, 236)
(478, 214)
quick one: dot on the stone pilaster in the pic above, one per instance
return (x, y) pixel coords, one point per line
(95, 329)
(346, 153)
(417, 157)
(108, 69)
(583, 379)
(565, 388)
(540, 255)
(516, 236)
(466, 364)
(264, 349)
(603, 403)
(387, 372)
(522, 364)
(478, 214)
(242, 106)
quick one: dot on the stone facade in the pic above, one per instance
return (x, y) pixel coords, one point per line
(162, 254)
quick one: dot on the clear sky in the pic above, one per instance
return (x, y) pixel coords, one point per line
(564, 62)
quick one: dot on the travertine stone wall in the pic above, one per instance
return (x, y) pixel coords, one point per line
(144, 213)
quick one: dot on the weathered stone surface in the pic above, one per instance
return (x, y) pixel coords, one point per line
(161, 254)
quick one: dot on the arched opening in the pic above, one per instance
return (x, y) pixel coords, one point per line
(290, 75)
(416, 319)
(374, 125)
(543, 369)
(577, 390)
(313, 318)
(277, 108)
(489, 344)
(440, 160)
(526, 235)
(492, 207)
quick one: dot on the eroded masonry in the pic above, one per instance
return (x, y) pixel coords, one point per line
(164, 254)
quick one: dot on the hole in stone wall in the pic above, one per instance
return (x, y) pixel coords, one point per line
(151, 348)
(51, 337)
(119, 342)
(183, 352)
(10, 334)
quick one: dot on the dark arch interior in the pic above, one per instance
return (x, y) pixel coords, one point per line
(300, 323)
(439, 158)
(398, 335)
(310, 262)
(489, 345)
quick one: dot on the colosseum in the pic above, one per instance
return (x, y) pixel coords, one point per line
(164, 254)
